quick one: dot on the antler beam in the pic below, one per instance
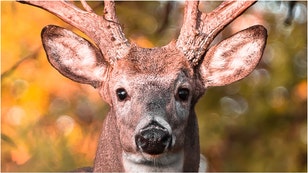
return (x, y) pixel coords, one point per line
(105, 30)
(199, 29)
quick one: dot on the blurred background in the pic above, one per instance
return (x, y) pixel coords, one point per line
(49, 123)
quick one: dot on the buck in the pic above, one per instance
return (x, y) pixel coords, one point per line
(152, 92)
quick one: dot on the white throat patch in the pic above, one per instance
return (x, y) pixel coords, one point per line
(169, 162)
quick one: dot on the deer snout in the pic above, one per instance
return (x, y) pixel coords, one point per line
(153, 139)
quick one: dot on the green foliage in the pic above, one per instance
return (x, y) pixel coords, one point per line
(50, 123)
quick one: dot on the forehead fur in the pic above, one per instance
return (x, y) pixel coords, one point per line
(154, 61)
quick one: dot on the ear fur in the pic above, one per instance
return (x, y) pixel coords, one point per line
(233, 58)
(73, 56)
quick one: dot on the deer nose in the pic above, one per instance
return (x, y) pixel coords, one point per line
(153, 139)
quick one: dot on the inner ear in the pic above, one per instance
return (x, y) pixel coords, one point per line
(73, 56)
(233, 58)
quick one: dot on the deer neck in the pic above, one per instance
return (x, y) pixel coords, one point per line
(191, 146)
(109, 152)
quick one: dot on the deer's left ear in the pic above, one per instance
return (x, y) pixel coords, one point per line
(233, 58)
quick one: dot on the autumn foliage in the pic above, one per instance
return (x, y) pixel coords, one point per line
(49, 123)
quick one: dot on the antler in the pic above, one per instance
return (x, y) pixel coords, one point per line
(105, 30)
(199, 29)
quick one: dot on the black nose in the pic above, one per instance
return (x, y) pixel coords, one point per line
(153, 139)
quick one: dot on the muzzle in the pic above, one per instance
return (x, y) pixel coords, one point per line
(153, 139)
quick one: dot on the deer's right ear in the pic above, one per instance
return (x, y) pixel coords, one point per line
(73, 56)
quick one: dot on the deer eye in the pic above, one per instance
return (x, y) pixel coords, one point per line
(183, 94)
(122, 94)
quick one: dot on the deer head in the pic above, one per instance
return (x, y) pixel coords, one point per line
(152, 92)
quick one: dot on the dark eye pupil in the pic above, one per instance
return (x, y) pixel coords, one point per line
(183, 94)
(121, 93)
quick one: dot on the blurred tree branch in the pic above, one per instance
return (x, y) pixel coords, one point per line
(166, 15)
(290, 16)
(33, 55)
